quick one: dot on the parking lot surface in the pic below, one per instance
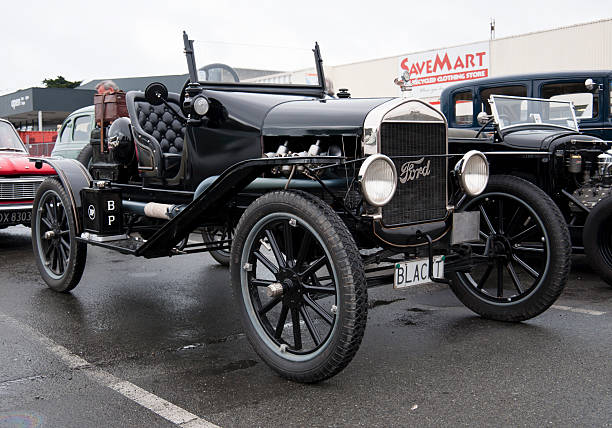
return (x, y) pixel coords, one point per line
(158, 343)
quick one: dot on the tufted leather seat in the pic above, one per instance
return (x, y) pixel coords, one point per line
(160, 129)
(162, 124)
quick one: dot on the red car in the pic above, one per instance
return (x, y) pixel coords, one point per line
(19, 179)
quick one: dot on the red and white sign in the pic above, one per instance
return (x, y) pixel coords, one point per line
(432, 71)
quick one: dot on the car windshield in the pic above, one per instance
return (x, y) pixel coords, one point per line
(236, 63)
(9, 140)
(518, 111)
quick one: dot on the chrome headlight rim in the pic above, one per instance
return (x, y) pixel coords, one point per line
(460, 172)
(363, 170)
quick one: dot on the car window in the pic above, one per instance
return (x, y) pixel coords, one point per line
(611, 99)
(66, 134)
(586, 103)
(464, 108)
(82, 128)
(512, 90)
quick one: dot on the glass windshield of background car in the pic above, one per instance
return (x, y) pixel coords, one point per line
(255, 64)
(9, 140)
(510, 111)
(66, 132)
(464, 108)
(512, 90)
(586, 103)
(82, 128)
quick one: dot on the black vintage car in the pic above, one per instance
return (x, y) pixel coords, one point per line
(311, 193)
(545, 146)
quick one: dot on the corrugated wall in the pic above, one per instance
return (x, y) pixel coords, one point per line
(579, 47)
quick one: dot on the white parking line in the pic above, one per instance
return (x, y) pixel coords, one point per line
(577, 310)
(171, 412)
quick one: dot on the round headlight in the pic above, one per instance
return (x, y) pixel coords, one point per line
(473, 172)
(200, 105)
(378, 179)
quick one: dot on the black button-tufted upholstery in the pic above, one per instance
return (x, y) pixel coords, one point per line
(162, 124)
(159, 134)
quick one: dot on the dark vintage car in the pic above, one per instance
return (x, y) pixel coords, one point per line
(590, 91)
(19, 180)
(546, 147)
(311, 193)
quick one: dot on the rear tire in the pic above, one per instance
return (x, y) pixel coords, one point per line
(597, 239)
(218, 234)
(523, 259)
(312, 330)
(60, 258)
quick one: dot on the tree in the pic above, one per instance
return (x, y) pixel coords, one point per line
(60, 82)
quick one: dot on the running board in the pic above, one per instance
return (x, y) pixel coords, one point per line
(127, 245)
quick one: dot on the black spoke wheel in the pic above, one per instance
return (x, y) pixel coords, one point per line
(219, 233)
(597, 239)
(299, 280)
(59, 257)
(521, 263)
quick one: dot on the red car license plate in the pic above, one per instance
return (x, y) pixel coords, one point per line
(11, 217)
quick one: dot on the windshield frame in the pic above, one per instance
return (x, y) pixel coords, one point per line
(18, 139)
(318, 90)
(519, 125)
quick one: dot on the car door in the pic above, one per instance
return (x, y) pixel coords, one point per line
(73, 136)
(588, 104)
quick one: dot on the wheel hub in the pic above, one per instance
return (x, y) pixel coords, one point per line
(499, 246)
(292, 287)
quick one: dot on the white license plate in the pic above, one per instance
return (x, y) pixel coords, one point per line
(416, 272)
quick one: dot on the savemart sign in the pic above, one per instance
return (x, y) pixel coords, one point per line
(432, 71)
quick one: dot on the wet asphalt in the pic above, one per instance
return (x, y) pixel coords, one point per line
(170, 327)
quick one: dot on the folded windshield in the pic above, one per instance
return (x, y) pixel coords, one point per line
(9, 140)
(517, 111)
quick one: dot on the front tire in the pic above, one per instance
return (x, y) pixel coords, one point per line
(59, 257)
(522, 261)
(312, 330)
(597, 239)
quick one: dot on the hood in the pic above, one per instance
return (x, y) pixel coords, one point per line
(319, 117)
(538, 139)
(19, 164)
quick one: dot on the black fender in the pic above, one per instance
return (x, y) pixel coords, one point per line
(211, 201)
(74, 177)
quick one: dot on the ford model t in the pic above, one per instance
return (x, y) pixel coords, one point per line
(310, 193)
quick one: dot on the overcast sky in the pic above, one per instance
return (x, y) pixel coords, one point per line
(85, 40)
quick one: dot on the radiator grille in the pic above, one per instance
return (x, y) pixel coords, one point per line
(424, 197)
(18, 189)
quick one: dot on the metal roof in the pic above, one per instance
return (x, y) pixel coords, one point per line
(55, 103)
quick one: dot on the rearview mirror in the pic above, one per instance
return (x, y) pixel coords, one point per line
(156, 93)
